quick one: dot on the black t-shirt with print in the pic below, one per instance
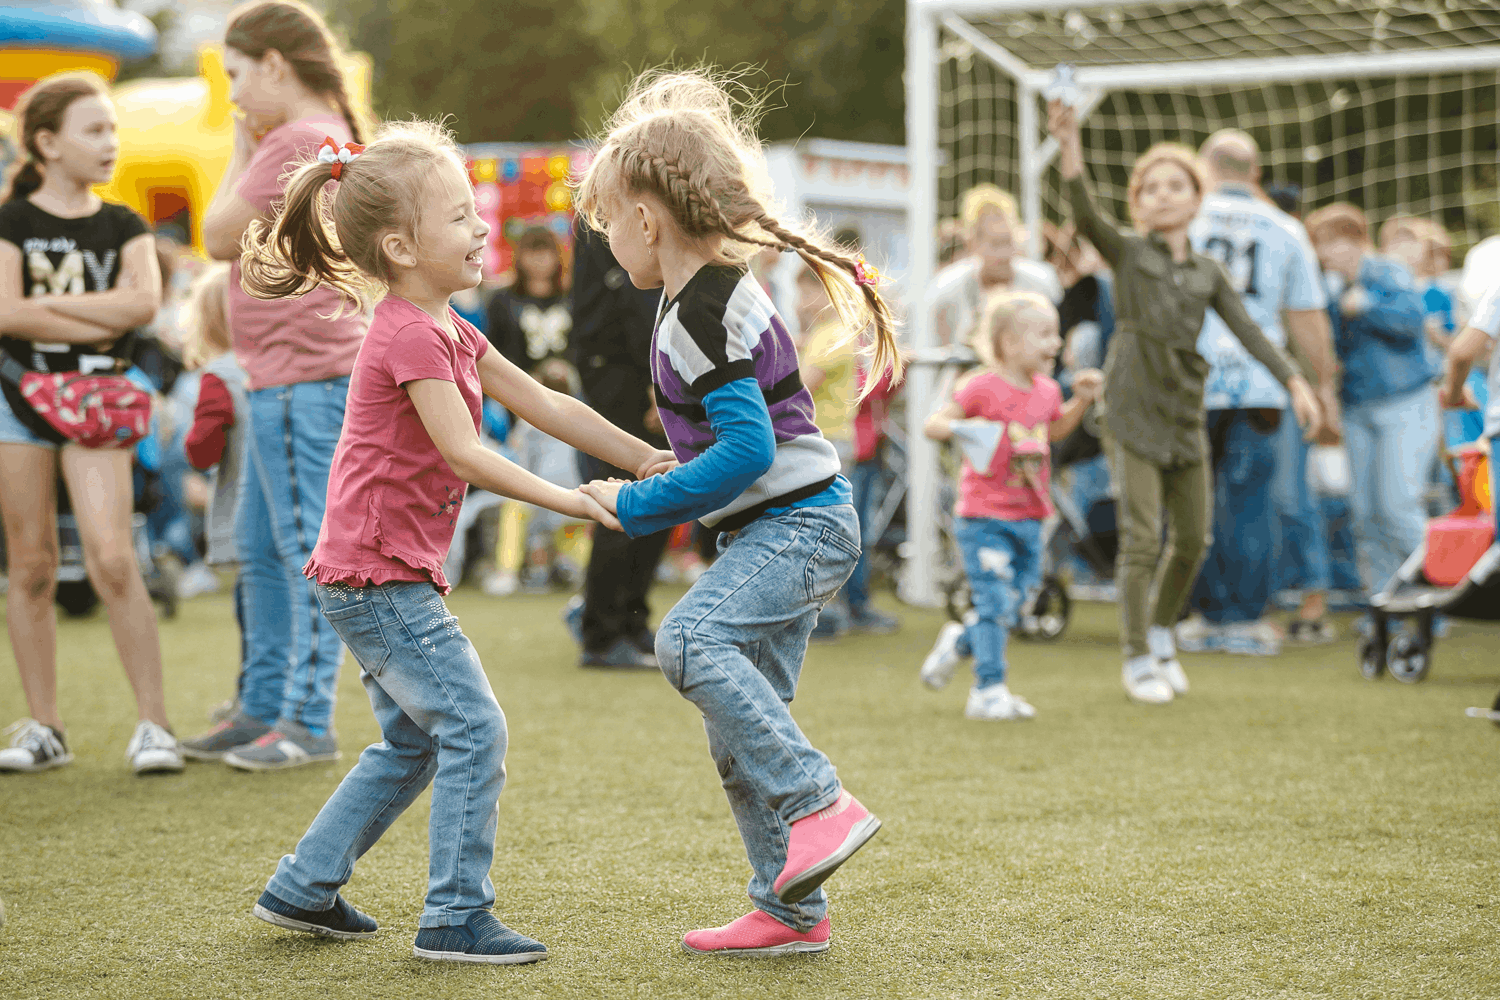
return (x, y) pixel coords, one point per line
(527, 329)
(67, 257)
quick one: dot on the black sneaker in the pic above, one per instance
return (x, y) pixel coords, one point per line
(622, 655)
(33, 747)
(481, 938)
(340, 921)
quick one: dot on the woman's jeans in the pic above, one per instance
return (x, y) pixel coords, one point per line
(1234, 585)
(1302, 559)
(733, 646)
(292, 666)
(1003, 561)
(1390, 444)
(441, 725)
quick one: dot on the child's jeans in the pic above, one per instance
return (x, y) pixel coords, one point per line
(733, 646)
(1003, 560)
(441, 725)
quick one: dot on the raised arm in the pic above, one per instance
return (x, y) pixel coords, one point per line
(228, 215)
(30, 319)
(1062, 122)
(131, 303)
(567, 419)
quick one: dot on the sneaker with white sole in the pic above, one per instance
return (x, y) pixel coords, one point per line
(230, 734)
(341, 921)
(994, 702)
(757, 935)
(1260, 638)
(1168, 668)
(153, 749)
(937, 669)
(481, 939)
(288, 744)
(1197, 635)
(33, 747)
(1142, 683)
(819, 843)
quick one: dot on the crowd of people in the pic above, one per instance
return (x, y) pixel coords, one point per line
(372, 426)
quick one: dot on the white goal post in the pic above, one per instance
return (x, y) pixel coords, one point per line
(1315, 80)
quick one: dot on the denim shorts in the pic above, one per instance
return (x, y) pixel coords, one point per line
(12, 431)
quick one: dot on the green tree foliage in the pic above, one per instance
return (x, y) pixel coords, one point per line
(536, 70)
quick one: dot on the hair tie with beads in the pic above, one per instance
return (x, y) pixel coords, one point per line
(331, 152)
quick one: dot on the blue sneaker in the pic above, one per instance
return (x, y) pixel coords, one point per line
(340, 921)
(481, 938)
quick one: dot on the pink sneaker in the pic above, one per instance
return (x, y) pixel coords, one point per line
(820, 843)
(757, 935)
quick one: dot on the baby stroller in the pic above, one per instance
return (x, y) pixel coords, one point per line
(1455, 572)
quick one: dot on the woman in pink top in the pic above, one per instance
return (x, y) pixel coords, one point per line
(297, 355)
(1003, 498)
(404, 212)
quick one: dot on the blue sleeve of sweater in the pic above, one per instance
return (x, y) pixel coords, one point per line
(1395, 311)
(743, 449)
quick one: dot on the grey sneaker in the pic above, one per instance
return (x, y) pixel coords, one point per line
(230, 734)
(33, 747)
(288, 744)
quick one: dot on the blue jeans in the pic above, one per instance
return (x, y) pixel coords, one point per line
(733, 646)
(1234, 584)
(1003, 561)
(1390, 444)
(292, 669)
(862, 478)
(442, 725)
(1301, 559)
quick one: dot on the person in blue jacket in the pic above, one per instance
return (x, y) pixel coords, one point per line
(1391, 416)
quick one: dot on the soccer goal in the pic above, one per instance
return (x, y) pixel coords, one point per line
(1389, 104)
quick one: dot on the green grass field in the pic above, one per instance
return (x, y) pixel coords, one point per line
(1288, 830)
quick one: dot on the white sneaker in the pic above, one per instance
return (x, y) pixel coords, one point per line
(33, 747)
(1171, 671)
(1023, 708)
(937, 669)
(1142, 683)
(1164, 650)
(196, 579)
(152, 748)
(1196, 635)
(994, 702)
(1260, 638)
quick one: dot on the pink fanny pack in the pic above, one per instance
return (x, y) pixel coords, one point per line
(96, 411)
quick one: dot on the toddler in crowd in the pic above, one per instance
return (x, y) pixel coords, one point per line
(1003, 502)
(404, 223)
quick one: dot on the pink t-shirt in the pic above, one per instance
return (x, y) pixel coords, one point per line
(392, 499)
(1014, 487)
(287, 341)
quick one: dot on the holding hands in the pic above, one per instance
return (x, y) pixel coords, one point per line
(602, 496)
(1088, 384)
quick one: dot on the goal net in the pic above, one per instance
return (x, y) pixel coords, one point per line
(1389, 104)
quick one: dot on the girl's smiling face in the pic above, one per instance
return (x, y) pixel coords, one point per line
(1168, 197)
(86, 146)
(1031, 342)
(450, 237)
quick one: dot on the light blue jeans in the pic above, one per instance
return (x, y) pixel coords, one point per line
(1302, 559)
(1003, 561)
(292, 667)
(441, 725)
(1390, 443)
(733, 646)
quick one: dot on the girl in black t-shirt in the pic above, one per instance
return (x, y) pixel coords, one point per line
(76, 275)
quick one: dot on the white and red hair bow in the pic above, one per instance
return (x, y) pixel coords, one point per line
(332, 152)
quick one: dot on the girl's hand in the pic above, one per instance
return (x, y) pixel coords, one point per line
(1088, 383)
(1062, 122)
(605, 492)
(1462, 399)
(594, 510)
(1305, 406)
(1355, 301)
(655, 464)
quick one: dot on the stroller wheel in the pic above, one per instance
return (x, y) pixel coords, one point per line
(1371, 659)
(1050, 611)
(1408, 658)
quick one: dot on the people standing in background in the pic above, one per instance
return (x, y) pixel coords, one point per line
(76, 275)
(1390, 410)
(992, 262)
(1273, 268)
(831, 372)
(612, 323)
(297, 354)
(1465, 353)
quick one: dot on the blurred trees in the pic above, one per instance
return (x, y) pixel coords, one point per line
(534, 70)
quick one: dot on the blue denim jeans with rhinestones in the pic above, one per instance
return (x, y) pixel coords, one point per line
(441, 725)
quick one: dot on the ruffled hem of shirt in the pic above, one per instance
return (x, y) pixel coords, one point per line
(395, 571)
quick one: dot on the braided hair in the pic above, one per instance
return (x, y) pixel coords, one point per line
(687, 138)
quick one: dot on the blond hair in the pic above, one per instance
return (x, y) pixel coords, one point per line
(683, 137)
(1001, 310)
(1163, 152)
(981, 199)
(382, 190)
(1340, 219)
(207, 335)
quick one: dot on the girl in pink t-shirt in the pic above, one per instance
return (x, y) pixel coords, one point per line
(404, 223)
(1007, 413)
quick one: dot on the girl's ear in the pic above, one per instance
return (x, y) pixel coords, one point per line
(46, 143)
(398, 250)
(650, 224)
(274, 64)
